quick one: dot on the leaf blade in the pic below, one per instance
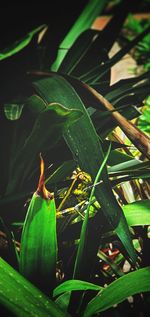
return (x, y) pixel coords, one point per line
(75, 285)
(21, 297)
(119, 290)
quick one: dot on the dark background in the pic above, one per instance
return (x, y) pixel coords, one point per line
(16, 19)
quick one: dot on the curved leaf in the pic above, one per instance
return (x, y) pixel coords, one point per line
(19, 45)
(75, 285)
(125, 286)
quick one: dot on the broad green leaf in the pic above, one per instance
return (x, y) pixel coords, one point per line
(84, 21)
(19, 45)
(46, 132)
(85, 146)
(116, 292)
(138, 213)
(38, 253)
(75, 285)
(22, 298)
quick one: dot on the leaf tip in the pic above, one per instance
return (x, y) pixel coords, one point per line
(41, 190)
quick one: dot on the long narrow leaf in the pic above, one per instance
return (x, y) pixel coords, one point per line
(119, 290)
(19, 45)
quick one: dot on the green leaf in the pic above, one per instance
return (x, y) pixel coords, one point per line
(86, 148)
(138, 213)
(132, 164)
(22, 298)
(84, 21)
(119, 290)
(75, 285)
(19, 45)
(39, 243)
